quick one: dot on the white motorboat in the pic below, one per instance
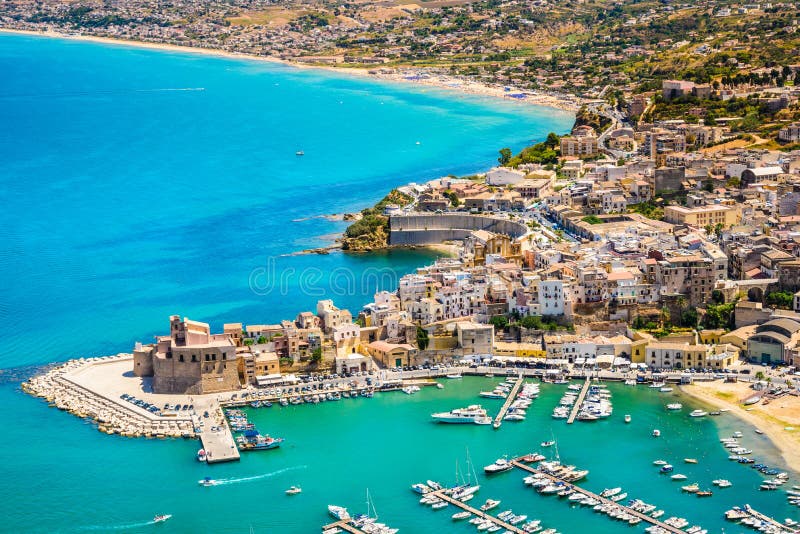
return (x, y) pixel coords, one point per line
(500, 465)
(674, 406)
(656, 433)
(338, 512)
(660, 462)
(678, 476)
(422, 489)
(489, 504)
(461, 515)
(493, 394)
(453, 376)
(207, 482)
(471, 414)
(627, 418)
(665, 389)
(294, 490)
(722, 483)
(698, 413)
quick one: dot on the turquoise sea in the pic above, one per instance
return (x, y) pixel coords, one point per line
(137, 184)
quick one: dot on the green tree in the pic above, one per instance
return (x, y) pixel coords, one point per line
(422, 338)
(505, 156)
(500, 322)
(261, 340)
(780, 299)
(316, 355)
(552, 141)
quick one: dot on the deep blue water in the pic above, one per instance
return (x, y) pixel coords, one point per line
(127, 198)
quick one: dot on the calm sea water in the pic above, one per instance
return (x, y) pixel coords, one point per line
(136, 184)
(61, 475)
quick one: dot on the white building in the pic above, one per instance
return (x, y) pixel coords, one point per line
(504, 176)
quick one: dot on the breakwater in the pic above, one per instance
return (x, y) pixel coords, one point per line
(429, 229)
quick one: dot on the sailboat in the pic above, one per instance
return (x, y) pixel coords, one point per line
(369, 521)
(465, 491)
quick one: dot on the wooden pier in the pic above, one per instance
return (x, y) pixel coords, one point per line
(577, 406)
(344, 525)
(766, 519)
(644, 517)
(464, 506)
(511, 396)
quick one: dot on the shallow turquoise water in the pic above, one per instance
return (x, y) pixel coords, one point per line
(127, 198)
(337, 450)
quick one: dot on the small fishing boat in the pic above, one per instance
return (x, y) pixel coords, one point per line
(161, 518)
(759, 431)
(722, 483)
(660, 462)
(698, 413)
(666, 468)
(627, 418)
(201, 455)
(294, 490)
(547, 443)
(674, 406)
(690, 460)
(704, 493)
(299, 153)
(489, 504)
(207, 482)
(665, 390)
(691, 488)
(678, 476)
(656, 433)
(453, 376)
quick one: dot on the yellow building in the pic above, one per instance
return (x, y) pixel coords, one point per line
(703, 216)
(519, 350)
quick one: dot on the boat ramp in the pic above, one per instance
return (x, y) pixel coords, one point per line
(578, 403)
(509, 399)
(517, 462)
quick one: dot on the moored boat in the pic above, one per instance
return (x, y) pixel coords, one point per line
(698, 413)
(471, 414)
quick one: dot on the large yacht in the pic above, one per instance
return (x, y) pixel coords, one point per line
(470, 414)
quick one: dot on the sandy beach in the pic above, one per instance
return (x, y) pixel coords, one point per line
(772, 418)
(410, 76)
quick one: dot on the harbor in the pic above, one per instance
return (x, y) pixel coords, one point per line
(512, 395)
(579, 402)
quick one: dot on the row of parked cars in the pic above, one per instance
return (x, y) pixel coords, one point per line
(152, 408)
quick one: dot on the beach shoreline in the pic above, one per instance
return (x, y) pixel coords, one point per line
(566, 103)
(773, 427)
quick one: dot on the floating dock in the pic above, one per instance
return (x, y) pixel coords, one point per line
(343, 525)
(464, 506)
(577, 406)
(511, 396)
(644, 517)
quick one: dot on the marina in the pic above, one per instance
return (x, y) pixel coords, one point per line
(577, 406)
(498, 420)
(445, 496)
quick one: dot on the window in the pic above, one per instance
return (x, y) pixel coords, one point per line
(194, 357)
(180, 358)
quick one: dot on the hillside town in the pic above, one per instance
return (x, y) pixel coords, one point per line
(664, 245)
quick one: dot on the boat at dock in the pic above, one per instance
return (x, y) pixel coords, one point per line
(453, 376)
(489, 505)
(500, 465)
(201, 455)
(338, 512)
(253, 441)
(461, 515)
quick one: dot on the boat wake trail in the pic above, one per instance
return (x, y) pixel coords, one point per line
(120, 527)
(227, 481)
